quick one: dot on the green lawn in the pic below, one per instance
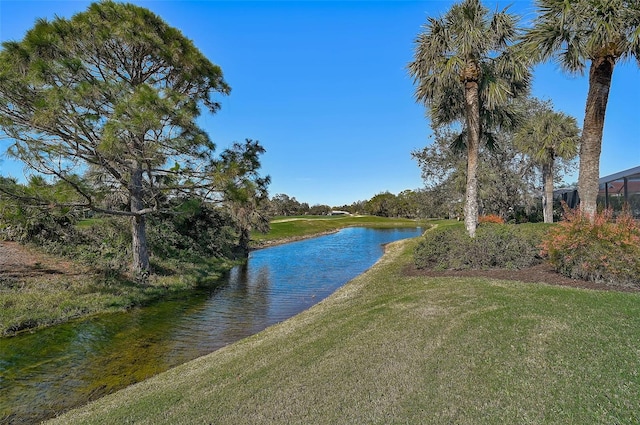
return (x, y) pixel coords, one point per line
(391, 349)
(293, 227)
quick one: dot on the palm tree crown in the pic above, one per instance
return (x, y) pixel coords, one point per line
(578, 31)
(575, 32)
(467, 45)
(544, 136)
(548, 134)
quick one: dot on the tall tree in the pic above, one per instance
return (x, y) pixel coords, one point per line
(117, 90)
(602, 32)
(544, 136)
(246, 190)
(507, 179)
(383, 205)
(466, 73)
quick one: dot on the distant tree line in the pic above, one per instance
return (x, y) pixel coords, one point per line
(406, 204)
(284, 205)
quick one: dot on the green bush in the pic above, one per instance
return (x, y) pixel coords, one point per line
(189, 230)
(105, 244)
(437, 246)
(27, 224)
(494, 246)
(602, 250)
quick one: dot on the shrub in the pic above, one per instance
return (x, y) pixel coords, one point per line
(437, 246)
(190, 231)
(28, 224)
(602, 250)
(105, 245)
(495, 246)
(490, 218)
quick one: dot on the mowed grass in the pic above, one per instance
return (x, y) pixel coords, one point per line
(293, 227)
(391, 349)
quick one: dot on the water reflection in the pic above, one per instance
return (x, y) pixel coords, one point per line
(55, 369)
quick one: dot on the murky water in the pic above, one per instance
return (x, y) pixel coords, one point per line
(55, 369)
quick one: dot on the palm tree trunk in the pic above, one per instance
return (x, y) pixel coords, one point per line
(472, 110)
(547, 197)
(140, 264)
(600, 75)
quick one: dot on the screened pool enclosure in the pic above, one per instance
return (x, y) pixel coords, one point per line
(621, 191)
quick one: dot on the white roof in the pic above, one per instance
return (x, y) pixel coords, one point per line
(630, 173)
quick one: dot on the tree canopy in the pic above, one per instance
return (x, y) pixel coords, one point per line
(114, 93)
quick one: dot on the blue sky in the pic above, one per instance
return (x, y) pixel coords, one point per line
(323, 86)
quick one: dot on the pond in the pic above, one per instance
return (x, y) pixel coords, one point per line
(50, 371)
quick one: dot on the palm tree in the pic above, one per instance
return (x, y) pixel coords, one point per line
(602, 32)
(544, 136)
(467, 73)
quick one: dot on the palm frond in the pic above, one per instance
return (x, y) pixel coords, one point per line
(577, 31)
(490, 141)
(469, 44)
(459, 143)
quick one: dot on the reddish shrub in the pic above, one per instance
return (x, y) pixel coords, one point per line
(600, 250)
(491, 218)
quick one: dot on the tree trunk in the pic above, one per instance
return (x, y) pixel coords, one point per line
(472, 110)
(243, 243)
(140, 266)
(547, 196)
(600, 75)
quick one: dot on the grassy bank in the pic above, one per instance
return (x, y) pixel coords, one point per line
(387, 348)
(45, 294)
(285, 229)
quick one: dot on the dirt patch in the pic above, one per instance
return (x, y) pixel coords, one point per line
(18, 261)
(541, 273)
